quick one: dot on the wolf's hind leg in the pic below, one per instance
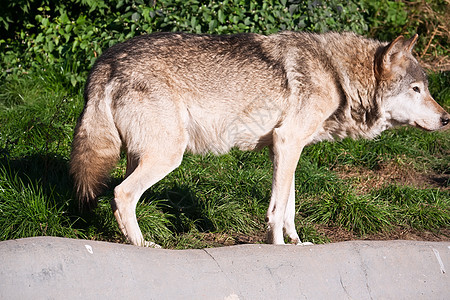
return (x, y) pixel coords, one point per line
(132, 163)
(152, 167)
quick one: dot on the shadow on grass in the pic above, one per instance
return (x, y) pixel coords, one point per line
(50, 172)
(36, 198)
(185, 209)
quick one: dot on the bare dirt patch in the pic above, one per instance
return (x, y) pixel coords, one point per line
(223, 239)
(335, 234)
(392, 173)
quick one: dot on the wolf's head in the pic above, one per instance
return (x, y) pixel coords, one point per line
(406, 99)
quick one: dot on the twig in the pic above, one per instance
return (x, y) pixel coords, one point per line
(429, 42)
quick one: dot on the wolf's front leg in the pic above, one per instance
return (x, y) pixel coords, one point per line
(289, 219)
(285, 153)
(289, 216)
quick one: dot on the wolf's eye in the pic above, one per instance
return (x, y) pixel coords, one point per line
(416, 89)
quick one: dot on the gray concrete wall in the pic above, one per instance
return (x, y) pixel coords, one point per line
(58, 268)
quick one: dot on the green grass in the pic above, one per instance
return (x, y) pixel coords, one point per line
(26, 210)
(226, 196)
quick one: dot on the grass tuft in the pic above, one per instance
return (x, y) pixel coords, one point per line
(359, 214)
(426, 209)
(27, 211)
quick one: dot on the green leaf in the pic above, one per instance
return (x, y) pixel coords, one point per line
(39, 38)
(51, 46)
(73, 80)
(64, 18)
(81, 20)
(135, 16)
(45, 22)
(221, 16)
(193, 22)
(212, 25)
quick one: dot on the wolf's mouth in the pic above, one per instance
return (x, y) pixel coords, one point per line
(422, 127)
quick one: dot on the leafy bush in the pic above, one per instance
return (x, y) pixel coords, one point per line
(73, 33)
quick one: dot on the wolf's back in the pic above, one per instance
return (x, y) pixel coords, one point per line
(96, 144)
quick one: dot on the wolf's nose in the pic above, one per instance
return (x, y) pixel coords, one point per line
(445, 120)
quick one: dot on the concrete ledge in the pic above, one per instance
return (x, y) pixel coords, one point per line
(59, 268)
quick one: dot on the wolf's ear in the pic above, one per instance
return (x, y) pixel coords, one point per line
(409, 44)
(392, 56)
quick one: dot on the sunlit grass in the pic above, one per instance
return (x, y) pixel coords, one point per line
(224, 195)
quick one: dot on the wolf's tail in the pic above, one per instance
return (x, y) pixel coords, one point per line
(96, 146)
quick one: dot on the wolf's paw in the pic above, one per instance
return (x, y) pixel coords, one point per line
(304, 244)
(151, 245)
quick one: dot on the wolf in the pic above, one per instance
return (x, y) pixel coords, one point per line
(157, 96)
